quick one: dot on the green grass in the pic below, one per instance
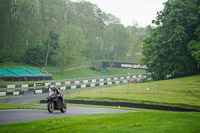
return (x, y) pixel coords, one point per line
(49, 67)
(33, 102)
(170, 92)
(165, 92)
(139, 122)
(1, 89)
(86, 72)
(80, 73)
(11, 106)
(93, 106)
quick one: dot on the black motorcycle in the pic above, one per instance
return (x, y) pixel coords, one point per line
(54, 103)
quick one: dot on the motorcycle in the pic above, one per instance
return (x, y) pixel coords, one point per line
(54, 103)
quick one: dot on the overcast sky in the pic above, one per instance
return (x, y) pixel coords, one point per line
(141, 11)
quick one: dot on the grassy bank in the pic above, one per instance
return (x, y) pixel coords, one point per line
(153, 121)
(11, 106)
(165, 92)
(79, 73)
(86, 72)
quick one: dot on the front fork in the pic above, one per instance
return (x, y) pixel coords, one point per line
(52, 104)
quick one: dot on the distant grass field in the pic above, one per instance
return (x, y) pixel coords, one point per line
(139, 122)
(80, 73)
(86, 72)
(165, 92)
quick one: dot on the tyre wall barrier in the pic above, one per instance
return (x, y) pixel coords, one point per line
(131, 105)
(15, 93)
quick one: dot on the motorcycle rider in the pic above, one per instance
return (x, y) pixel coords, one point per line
(58, 93)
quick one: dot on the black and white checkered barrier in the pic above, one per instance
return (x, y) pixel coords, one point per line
(75, 82)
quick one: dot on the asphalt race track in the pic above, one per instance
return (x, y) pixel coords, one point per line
(23, 115)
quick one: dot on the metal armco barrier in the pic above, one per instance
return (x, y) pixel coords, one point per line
(131, 105)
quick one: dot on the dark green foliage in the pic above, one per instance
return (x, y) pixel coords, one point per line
(2, 56)
(72, 44)
(194, 46)
(53, 46)
(118, 38)
(96, 68)
(27, 22)
(9, 55)
(165, 50)
(35, 55)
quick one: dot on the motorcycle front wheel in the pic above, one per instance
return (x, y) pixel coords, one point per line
(50, 107)
(63, 109)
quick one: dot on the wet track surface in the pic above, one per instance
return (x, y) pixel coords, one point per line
(23, 115)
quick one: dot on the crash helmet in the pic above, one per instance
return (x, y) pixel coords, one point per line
(52, 87)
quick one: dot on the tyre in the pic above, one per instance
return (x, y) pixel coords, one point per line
(50, 107)
(63, 109)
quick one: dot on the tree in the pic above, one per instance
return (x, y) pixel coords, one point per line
(35, 55)
(14, 31)
(26, 23)
(118, 39)
(137, 34)
(51, 46)
(91, 19)
(71, 45)
(194, 46)
(165, 50)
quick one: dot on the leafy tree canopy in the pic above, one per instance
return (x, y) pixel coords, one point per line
(165, 50)
(80, 28)
(71, 44)
(35, 55)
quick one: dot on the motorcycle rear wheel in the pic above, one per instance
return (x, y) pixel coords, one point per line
(50, 107)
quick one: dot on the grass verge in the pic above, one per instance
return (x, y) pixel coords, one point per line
(166, 92)
(153, 121)
(93, 106)
(11, 106)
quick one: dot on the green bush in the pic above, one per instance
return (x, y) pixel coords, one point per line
(96, 68)
(2, 56)
(35, 55)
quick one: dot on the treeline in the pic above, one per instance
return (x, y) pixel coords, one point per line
(59, 32)
(173, 47)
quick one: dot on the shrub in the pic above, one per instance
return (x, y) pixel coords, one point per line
(35, 55)
(96, 68)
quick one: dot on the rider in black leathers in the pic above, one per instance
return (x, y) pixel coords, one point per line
(58, 93)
